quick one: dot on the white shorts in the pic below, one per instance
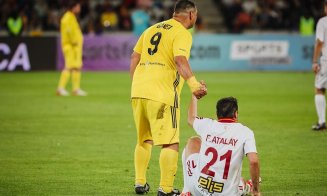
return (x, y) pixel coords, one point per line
(191, 176)
(321, 76)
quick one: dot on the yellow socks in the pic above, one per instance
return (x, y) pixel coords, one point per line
(168, 167)
(76, 79)
(142, 157)
(65, 75)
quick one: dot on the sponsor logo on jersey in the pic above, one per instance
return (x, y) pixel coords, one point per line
(209, 185)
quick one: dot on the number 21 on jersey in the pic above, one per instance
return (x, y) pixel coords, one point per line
(227, 156)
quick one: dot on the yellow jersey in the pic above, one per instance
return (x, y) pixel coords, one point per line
(71, 39)
(156, 76)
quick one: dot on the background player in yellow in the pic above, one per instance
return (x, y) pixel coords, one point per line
(159, 66)
(72, 45)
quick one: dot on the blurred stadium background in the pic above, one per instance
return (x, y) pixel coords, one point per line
(218, 16)
(259, 51)
(229, 35)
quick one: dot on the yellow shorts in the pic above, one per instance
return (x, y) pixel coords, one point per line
(73, 57)
(156, 121)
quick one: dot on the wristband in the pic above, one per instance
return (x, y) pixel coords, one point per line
(193, 84)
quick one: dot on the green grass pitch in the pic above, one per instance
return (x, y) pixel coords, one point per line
(84, 145)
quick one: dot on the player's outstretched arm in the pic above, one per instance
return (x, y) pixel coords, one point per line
(184, 69)
(254, 171)
(192, 111)
(135, 59)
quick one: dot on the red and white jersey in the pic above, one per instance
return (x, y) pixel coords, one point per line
(223, 147)
(321, 34)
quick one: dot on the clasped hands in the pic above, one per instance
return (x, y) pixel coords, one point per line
(202, 91)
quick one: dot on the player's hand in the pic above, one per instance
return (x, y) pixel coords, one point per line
(202, 91)
(194, 98)
(204, 85)
(199, 93)
(315, 68)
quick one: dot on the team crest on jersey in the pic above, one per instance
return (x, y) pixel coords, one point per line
(207, 184)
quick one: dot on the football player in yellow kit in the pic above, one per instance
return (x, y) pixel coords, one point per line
(159, 66)
(72, 45)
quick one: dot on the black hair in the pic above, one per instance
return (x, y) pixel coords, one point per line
(226, 107)
(72, 3)
(184, 5)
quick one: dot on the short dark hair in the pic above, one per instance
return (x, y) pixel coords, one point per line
(184, 5)
(72, 3)
(226, 107)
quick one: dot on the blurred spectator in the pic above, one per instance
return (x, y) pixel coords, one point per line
(41, 9)
(250, 6)
(53, 17)
(96, 16)
(307, 24)
(125, 22)
(140, 18)
(35, 26)
(269, 18)
(243, 20)
(15, 23)
(109, 17)
(231, 10)
(269, 14)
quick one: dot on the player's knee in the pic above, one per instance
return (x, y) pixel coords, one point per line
(171, 146)
(194, 144)
(142, 142)
(145, 145)
(194, 140)
(149, 142)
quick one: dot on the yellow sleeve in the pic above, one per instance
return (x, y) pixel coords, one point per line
(69, 31)
(63, 30)
(182, 44)
(72, 32)
(139, 45)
